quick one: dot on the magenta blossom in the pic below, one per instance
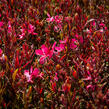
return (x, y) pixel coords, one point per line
(23, 33)
(1, 24)
(80, 38)
(88, 77)
(58, 19)
(90, 86)
(31, 74)
(1, 51)
(56, 77)
(60, 47)
(9, 27)
(57, 28)
(31, 29)
(73, 44)
(45, 53)
(49, 19)
(62, 44)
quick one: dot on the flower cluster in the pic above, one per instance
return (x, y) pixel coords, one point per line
(54, 54)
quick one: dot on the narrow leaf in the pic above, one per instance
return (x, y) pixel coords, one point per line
(14, 74)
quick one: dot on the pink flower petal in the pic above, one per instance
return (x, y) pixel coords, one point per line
(1, 24)
(48, 14)
(72, 45)
(45, 50)
(89, 86)
(9, 27)
(22, 35)
(42, 60)
(1, 51)
(35, 72)
(74, 40)
(53, 45)
(60, 48)
(50, 53)
(56, 78)
(28, 76)
(50, 19)
(88, 78)
(38, 52)
(102, 24)
(31, 28)
(31, 70)
(26, 72)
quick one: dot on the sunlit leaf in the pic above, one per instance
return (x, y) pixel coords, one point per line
(14, 74)
(29, 91)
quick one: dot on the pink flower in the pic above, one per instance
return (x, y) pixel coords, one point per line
(102, 25)
(73, 44)
(60, 47)
(1, 52)
(31, 74)
(90, 87)
(62, 44)
(28, 75)
(58, 19)
(87, 31)
(57, 28)
(50, 19)
(23, 33)
(88, 78)
(80, 38)
(107, 50)
(63, 41)
(94, 23)
(9, 27)
(31, 29)
(55, 77)
(45, 52)
(35, 72)
(1, 24)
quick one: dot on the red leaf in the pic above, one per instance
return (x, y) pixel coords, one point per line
(2, 74)
(74, 74)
